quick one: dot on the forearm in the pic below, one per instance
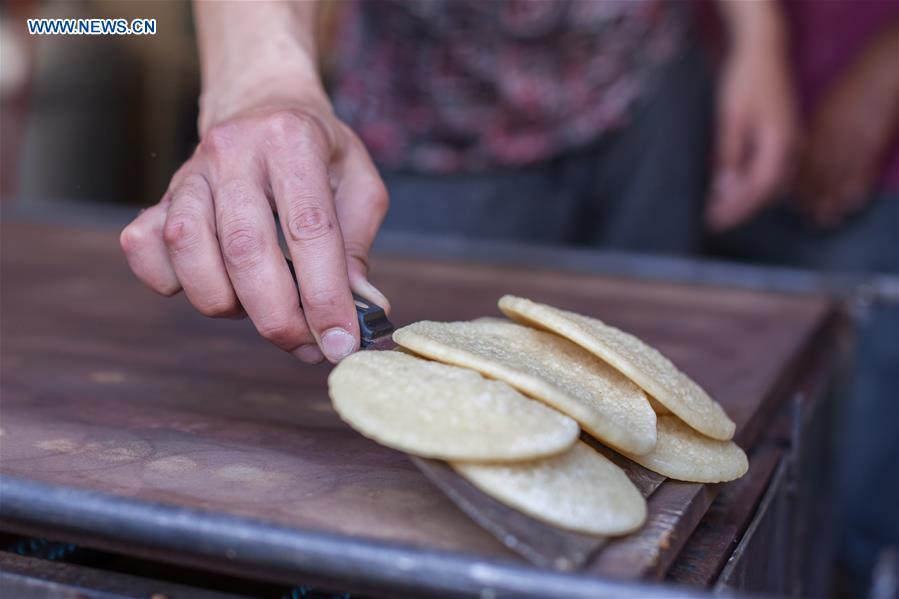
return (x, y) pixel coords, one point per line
(877, 68)
(752, 22)
(256, 55)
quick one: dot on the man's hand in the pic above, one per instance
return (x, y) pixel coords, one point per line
(756, 125)
(214, 234)
(269, 144)
(849, 134)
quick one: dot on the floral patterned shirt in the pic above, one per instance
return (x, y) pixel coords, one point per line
(467, 85)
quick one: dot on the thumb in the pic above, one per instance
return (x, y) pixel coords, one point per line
(357, 270)
(362, 202)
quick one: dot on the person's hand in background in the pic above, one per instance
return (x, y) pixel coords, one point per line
(755, 131)
(850, 132)
(269, 143)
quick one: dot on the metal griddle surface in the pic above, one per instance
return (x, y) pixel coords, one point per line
(108, 388)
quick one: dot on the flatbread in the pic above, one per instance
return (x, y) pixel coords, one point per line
(640, 362)
(546, 367)
(579, 490)
(683, 454)
(439, 411)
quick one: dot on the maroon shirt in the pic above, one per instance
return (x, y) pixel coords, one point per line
(467, 85)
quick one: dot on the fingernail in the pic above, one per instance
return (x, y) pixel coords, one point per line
(308, 353)
(373, 294)
(337, 344)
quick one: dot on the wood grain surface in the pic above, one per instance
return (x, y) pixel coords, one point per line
(109, 387)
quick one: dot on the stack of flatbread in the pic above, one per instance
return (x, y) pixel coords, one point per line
(504, 402)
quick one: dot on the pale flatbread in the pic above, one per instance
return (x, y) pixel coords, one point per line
(546, 367)
(579, 490)
(683, 454)
(635, 359)
(439, 411)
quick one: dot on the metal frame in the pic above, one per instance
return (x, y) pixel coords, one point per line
(230, 544)
(36, 578)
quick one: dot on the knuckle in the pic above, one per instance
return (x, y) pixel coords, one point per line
(280, 333)
(132, 238)
(220, 138)
(167, 289)
(218, 307)
(321, 302)
(242, 245)
(182, 231)
(284, 125)
(309, 223)
(289, 128)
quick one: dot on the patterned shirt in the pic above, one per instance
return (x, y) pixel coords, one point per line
(467, 85)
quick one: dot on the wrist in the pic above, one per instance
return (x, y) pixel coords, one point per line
(754, 27)
(257, 90)
(257, 55)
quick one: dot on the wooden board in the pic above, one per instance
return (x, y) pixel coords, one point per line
(108, 387)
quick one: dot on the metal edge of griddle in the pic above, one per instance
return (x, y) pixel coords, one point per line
(234, 544)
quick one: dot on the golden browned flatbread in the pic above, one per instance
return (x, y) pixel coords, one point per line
(683, 454)
(579, 490)
(439, 411)
(546, 367)
(641, 363)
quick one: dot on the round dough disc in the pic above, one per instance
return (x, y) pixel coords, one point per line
(683, 454)
(546, 367)
(579, 490)
(438, 411)
(640, 362)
